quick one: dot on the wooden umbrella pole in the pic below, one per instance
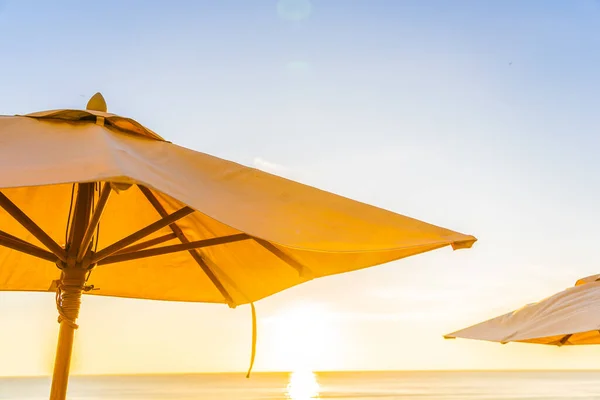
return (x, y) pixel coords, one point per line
(68, 303)
(69, 290)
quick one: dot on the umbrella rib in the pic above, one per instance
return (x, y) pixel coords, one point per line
(93, 224)
(22, 218)
(184, 240)
(282, 256)
(142, 233)
(146, 244)
(175, 248)
(565, 339)
(14, 243)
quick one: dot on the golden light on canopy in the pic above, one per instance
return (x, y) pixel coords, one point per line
(96, 203)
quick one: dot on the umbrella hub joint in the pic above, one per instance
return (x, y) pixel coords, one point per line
(72, 262)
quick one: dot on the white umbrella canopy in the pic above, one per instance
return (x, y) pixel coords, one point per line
(570, 317)
(265, 233)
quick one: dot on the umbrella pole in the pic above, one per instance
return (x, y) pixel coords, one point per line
(69, 290)
(68, 303)
(62, 363)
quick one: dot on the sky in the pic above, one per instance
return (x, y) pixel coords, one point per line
(477, 116)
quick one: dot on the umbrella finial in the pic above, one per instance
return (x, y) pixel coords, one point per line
(97, 103)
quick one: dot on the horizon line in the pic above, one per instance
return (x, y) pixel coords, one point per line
(142, 374)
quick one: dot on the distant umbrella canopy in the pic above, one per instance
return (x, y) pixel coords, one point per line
(122, 212)
(570, 317)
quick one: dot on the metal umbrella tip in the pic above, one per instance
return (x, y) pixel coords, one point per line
(97, 103)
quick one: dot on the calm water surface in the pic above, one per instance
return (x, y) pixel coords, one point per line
(306, 385)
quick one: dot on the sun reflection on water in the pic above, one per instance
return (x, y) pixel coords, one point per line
(303, 385)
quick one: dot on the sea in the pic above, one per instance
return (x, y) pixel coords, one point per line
(305, 385)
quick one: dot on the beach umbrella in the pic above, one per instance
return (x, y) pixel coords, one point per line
(567, 318)
(96, 203)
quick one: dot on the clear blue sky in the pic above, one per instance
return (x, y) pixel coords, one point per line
(480, 116)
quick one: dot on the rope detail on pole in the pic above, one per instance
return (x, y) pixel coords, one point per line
(68, 300)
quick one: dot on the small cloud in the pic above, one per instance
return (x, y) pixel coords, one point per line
(294, 10)
(298, 67)
(269, 167)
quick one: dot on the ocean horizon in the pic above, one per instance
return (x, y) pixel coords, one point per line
(337, 371)
(304, 385)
